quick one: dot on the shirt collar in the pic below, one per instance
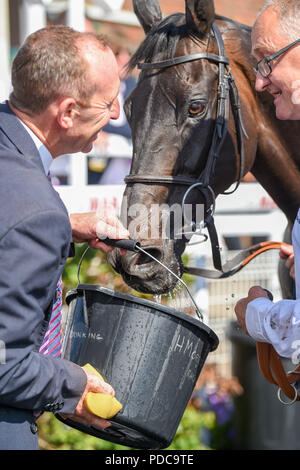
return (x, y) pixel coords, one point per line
(45, 155)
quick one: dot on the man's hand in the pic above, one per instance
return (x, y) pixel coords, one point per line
(241, 306)
(287, 253)
(82, 415)
(91, 226)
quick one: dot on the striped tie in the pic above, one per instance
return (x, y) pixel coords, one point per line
(53, 338)
(52, 342)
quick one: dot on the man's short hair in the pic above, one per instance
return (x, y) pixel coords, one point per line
(289, 16)
(49, 65)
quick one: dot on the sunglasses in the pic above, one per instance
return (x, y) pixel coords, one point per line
(264, 67)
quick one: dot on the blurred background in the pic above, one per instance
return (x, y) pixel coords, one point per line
(110, 159)
(232, 407)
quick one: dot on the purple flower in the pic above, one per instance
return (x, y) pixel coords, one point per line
(222, 406)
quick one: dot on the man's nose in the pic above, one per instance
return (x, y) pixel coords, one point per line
(261, 82)
(115, 109)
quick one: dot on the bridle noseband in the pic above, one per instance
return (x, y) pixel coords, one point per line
(228, 94)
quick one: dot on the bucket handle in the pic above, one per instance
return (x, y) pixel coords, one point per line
(80, 263)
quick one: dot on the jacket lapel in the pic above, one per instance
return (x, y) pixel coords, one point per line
(18, 135)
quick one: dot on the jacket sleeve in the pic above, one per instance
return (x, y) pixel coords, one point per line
(276, 323)
(32, 257)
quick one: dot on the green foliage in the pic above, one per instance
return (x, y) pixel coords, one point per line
(189, 432)
(55, 435)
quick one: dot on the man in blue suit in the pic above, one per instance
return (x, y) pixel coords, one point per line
(65, 88)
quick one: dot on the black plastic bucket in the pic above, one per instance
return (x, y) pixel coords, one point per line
(152, 355)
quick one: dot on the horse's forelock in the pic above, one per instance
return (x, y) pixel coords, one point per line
(162, 39)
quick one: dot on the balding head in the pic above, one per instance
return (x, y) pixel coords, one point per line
(288, 12)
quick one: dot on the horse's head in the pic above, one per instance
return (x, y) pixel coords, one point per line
(173, 114)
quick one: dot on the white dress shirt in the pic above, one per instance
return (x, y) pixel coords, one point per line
(279, 323)
(45, 155)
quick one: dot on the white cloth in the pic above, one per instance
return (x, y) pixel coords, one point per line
(278, 323)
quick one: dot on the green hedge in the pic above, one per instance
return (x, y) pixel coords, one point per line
(55, 435)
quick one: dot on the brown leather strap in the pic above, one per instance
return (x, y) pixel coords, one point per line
(272, 369)
(261, 248)
(237, 263)
(269, 361)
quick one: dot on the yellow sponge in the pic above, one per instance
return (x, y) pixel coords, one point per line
(92, 369)
(101, 404)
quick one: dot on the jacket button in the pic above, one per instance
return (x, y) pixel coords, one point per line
(33, 428)
(59, 406)
(49, 407)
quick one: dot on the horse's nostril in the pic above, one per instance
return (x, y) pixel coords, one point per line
(144, 259)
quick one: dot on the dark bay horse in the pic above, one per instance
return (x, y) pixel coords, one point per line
(172, 114)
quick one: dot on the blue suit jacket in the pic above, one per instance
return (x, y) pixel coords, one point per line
(35, 237)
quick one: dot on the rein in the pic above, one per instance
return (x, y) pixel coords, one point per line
(228, 94)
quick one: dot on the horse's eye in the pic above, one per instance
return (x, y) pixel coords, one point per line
(196, 108)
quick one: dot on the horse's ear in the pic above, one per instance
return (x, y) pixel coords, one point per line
(148, 13)
(200, 15)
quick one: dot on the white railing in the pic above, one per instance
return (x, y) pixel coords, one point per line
(224, 293)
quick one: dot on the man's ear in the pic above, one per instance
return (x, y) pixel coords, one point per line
(66, 112)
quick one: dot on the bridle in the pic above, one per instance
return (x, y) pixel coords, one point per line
(228, 94)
